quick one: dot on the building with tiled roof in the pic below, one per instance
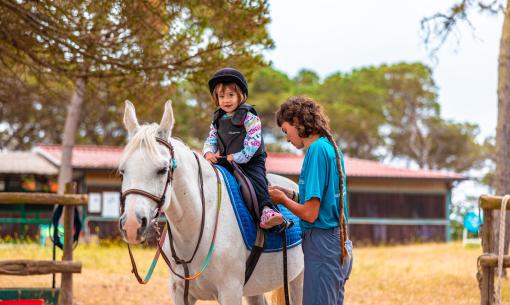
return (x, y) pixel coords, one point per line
(386, 203)
(290, 164)
(287, 164)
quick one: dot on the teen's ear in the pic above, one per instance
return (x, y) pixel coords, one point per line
(130, 120)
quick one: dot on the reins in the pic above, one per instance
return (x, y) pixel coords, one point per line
(161, 236)
(176, 258)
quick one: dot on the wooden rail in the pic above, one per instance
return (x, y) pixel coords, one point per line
(43, 198)
(490, 202)
(67, 267)
(491, 260)
(30, 267)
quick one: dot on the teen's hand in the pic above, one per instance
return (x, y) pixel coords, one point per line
(288, 192)
(211, 157)
(277, 196)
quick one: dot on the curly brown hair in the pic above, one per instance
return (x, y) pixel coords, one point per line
(308, 117)
(305, 114)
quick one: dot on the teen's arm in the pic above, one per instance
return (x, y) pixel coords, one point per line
(309, 211)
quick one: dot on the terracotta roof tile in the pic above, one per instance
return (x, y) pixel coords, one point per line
(84, 156)
(22, 162)
(290, 164)
(279, 163)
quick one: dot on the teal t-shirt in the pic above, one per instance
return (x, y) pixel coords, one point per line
(320, 178)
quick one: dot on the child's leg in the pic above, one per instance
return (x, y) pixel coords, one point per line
(256, 171)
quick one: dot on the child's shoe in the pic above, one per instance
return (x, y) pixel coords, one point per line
(270, 218)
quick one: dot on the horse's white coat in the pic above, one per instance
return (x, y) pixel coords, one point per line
(223, 279)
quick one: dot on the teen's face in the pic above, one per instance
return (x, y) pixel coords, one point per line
(292, 135)
(228, 100)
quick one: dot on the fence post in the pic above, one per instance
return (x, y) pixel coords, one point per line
(487, 288)
(66, 286)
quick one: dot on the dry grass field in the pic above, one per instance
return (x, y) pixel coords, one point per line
(387, 275)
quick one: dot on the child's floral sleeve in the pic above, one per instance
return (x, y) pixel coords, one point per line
(252, 140)
(211, 143)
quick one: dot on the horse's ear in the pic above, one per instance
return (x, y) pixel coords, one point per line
(130, 121)
(167, 122)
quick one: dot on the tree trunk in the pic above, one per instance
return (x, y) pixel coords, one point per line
(502, 176)
(72, 121)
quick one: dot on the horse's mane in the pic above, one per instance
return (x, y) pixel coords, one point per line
(145, 139)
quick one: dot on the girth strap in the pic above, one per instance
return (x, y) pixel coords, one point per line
(255, 253)
(285, 276)
(186, 284)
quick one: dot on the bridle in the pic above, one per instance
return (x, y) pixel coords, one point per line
(159, 200)
(161, 236)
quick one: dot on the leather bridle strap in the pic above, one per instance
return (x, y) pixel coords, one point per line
(202, 222)
(154, 221)
(211, 247)
(143, 193)
(161, 237)
(186, 277)
(153, 264)
(169, 178)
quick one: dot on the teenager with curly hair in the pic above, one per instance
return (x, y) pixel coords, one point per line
(322, 201)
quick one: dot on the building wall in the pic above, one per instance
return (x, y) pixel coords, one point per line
(383, 210)
(20, 221)
(389, 217)
(104, 184)
(384, 185)
(398, 210)
(380, 210)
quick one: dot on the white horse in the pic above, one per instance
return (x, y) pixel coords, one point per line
(144, 166)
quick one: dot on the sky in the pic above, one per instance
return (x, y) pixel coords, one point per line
(339, 35)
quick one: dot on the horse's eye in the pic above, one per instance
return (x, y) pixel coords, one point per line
(162, 171)
(121, 172)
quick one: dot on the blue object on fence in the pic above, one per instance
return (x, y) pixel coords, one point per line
(44, 233)
(472, 222)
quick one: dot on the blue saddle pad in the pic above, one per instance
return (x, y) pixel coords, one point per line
(273, 242)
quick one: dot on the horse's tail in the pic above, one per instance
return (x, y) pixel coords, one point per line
(278, 297)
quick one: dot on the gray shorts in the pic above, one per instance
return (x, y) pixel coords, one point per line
(324, 276)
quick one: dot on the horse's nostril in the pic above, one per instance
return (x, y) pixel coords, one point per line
(122, 221)
(144, 223)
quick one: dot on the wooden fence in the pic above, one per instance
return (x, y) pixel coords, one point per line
(488, 261)
(67, 266)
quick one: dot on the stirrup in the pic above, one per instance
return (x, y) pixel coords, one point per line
(287, 224)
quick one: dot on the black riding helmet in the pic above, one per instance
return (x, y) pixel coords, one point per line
(228, 75)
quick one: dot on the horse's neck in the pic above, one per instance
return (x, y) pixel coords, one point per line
(185, 211)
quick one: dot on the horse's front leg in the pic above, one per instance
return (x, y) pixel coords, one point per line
(256, 300)
(231, 294)
(177, 293)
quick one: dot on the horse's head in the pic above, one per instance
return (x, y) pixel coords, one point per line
(146, 167)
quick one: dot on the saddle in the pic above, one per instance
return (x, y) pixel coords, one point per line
(256, 239)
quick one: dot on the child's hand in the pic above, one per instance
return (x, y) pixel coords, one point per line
(230, 158)
(211, 157)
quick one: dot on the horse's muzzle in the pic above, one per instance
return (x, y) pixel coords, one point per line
(133, 228)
